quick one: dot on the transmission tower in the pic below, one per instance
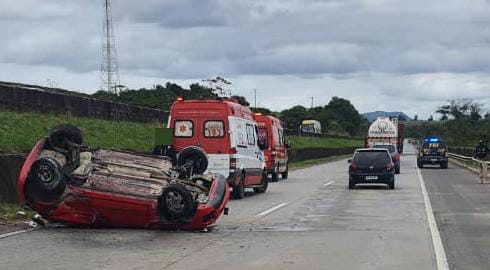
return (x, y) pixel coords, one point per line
(109, 72)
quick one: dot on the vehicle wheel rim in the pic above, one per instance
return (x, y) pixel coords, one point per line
(45, 174)
(175, 202)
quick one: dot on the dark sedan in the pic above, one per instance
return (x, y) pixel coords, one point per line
(373, 165)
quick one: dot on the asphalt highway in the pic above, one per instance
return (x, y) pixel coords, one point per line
(309, 221)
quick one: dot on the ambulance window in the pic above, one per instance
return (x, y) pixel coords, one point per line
(281, 137)
(250, 134)
(184, 128)
(214, 129)
(263, 134)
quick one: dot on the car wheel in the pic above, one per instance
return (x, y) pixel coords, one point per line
(176, 202)
(352, 184)
(198, 158)
(420, 165)
(239, 190)
(65, 136)
(263, 185)
(45, 182)
(391, 184)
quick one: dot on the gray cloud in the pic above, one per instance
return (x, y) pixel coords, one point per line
(424, 50)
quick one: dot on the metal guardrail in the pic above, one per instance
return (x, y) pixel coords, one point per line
(481, 165)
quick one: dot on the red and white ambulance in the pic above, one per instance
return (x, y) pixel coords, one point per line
(228, 133)
(276, 155)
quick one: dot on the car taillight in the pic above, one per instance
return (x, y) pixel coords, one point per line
(389, 166)
(353, 167)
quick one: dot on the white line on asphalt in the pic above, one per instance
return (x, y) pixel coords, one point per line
(328, 184)
(441, 259)
(270, 210)
(13, 233)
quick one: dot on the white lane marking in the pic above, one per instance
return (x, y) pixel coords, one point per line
(441, 259)
(13, 233)
(270, 210)
(328, 184)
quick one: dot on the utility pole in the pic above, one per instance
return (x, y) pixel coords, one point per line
(255, 98)
(109, 71)
(311, 102)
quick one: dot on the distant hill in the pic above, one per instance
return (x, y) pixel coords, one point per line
(372, 116)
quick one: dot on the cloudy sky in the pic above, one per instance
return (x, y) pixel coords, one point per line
(381, 54)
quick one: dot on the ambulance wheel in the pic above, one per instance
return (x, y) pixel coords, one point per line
(285, 174)
(263, 185)
(274, 177)
(45, 182)
(239, 189)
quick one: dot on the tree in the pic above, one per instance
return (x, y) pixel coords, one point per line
(430, 119)
(241, 100)
(293, 117)
(416, 118)
(345, 114)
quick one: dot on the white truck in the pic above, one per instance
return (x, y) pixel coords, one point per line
(385, 130)
(311, 126)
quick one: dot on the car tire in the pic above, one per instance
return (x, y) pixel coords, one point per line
(63, 136)
(420, 165)
(175, 202)
(45, 182)
(391, 184)
(352, 184)
(197, 156)
(263, 185)
(239, 190)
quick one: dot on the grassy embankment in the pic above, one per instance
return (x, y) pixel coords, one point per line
(20, 131)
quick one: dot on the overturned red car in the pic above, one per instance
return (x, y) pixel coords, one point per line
(69, 183)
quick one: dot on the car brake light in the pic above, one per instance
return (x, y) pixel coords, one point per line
(180, 98)
(389, 166)
(353, 167)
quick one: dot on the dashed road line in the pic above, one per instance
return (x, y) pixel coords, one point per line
(328, 184)
(441, 258)
(272, 209)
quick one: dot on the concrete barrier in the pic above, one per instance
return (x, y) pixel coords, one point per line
(10, 166)
(37, 100)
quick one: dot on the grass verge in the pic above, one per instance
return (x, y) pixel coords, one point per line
(19, 132)
(312, 162)
(307, 142)
(10, 213)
